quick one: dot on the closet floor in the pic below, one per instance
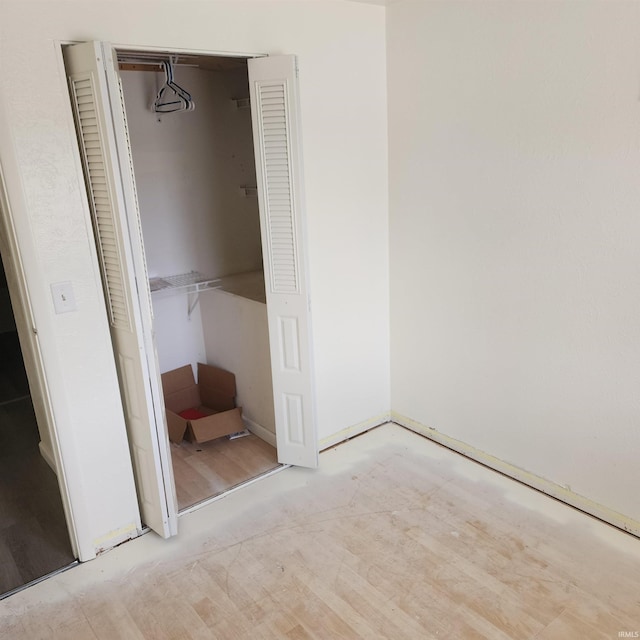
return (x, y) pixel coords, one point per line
(206, 470)
(34, 540)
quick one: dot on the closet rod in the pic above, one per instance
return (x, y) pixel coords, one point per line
(148, 66)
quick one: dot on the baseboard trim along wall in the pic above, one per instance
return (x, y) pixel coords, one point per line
(354, 430)
(262, 432)
(47, 454)
(536, 482)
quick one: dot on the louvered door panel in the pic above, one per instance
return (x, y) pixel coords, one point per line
(84, 103)
(278, 188)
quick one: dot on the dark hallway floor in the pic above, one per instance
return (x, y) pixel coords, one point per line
(34, 540)
(13, 379)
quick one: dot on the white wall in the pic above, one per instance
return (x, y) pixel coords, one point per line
(514, 194)
(341, 52)
(189, 167)
(238, 340)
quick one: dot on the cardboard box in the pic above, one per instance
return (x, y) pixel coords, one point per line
(213, 398)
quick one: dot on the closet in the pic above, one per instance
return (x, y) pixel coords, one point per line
(195, 178)
(198, 217)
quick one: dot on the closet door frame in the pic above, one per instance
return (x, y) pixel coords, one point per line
(282, 426)
(289, 316)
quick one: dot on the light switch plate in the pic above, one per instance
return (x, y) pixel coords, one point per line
(63, 298)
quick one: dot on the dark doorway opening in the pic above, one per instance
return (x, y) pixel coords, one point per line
(34, 540)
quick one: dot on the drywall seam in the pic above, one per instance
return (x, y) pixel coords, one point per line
(530, 479)
(354, 430)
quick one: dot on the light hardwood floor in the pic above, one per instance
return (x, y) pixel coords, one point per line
(205, 470)
(394, 537)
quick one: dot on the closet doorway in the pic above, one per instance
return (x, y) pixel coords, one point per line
(200, 234)
(195, 180)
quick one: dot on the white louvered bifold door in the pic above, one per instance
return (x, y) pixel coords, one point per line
(98, 108)
(275, 115)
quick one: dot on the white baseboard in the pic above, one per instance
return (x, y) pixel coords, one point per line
(354, 430)
(536, 482)
(325, 443)
(48, 456)
(262, 432)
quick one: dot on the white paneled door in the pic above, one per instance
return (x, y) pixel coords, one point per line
(275, 115)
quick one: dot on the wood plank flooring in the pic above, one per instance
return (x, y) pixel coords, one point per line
(205, 470)
(393, 537)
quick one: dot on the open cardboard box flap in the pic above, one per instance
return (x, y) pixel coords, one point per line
(214, 395)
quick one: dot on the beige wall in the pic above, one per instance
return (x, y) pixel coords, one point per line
(514, 194)
(341, 51)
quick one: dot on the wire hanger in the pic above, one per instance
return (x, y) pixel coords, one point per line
(171, 96)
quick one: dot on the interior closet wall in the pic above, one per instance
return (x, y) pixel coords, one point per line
(189, 168)
(240, 343)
